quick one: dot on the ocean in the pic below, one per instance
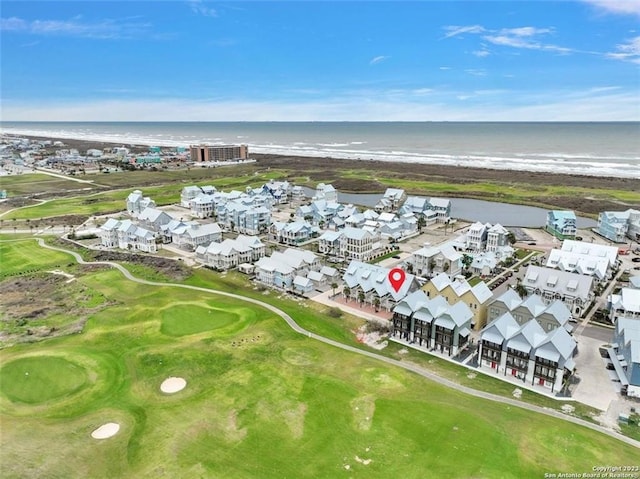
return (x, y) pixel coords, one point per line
(590, 148)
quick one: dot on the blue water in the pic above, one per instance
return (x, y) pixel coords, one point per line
(599, 149)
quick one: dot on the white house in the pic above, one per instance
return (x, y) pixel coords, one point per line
(231, 253)
(432, 260)
(136, 202)
(191, 235)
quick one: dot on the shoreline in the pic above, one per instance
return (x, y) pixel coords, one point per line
(443, 169)
(586, 195)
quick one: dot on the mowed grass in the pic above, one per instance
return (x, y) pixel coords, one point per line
(38, 379)
(26, 255)
(261, 401)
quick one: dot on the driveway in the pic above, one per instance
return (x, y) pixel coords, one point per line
(595, 387)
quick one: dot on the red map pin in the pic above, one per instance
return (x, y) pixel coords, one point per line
(396, 278)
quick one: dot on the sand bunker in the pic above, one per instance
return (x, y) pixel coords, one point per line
(172, 385)
(106, 431)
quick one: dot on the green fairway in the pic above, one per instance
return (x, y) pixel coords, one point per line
(25, 255)
(39, 379)
(184, 319)
(261, 401)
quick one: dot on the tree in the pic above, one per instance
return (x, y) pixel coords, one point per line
(466, 260)
(521, 290)
(334, 285)
(445, 267)
(421, 222)
(409, 268)
(376, 303)
(511, 238)
(432, 265)
(347, 292)
(361, 297)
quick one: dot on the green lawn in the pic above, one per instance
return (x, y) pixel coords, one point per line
(39, 379)
(261, 401)
(25, 255)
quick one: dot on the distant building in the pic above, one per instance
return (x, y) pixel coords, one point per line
(561, 224)
(209, 153)
(619, 225)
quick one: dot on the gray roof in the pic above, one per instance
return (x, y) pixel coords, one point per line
(562, 282)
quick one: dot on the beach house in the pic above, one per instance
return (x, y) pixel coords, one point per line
(618, 226)
(574, 290)
(561, 224)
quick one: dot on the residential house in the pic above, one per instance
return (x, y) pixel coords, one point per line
(280, 269)
(109, 233)
(574, 290)
(548, 315)
(597, 267)
(442, 208)
(484, 264)
(235, 216)
(292, 233)
(203, 205)
(497, 238)
(476, 297)
(126, 235)
(302, 285)
(189, 193)
(561, 224)
(625, 304)
(357, 244)
(527, 352)
(476, 238)
(625, 355)
(392, 199)
(326, 192)
(369, 283)
(280, 191)
(431, 323)
(136, 203)
(191, 235)
(431, 260)
(154, 219)
(231, 253)
(329, 243)
(616, 226)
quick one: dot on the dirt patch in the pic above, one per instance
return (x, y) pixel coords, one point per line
(170, 268)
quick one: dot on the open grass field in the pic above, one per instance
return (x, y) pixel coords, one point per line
(261, 401)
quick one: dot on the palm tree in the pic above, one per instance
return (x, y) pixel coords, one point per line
(347, 292)
(466, 260)
(376, 303)
(334, 285)
(361, 297)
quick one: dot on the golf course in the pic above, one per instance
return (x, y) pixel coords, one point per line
(261, 400)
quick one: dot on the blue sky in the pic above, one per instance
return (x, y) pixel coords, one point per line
(318, 60)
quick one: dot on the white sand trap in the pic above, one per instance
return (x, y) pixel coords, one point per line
(172, 385)
(106, 431)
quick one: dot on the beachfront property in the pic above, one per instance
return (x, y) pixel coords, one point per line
(136, 202)
(218, 153)
(574, 290)
(548, 315)
(527, 352)
(561, 224)
(431, 260)
(126, 235)
(231, 253)
(293, 233)
(589, 259)
(476, 297)
(369, 284)
(617, 226)
(431, 323)
(625, 304)
(624, 355)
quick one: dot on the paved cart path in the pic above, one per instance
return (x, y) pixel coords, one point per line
(394, 362)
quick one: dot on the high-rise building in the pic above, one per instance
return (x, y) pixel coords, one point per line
(207, 153)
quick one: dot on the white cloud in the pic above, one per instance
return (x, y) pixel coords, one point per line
(105, 29)
(476, 72)
(199, 7)
(454, 30)
(481, 53)
(623, 7)
(378, 59)
(549, 106)
(629, 51)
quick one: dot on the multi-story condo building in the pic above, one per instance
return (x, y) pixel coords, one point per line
(432, 323)
(624, 355)
(231, 252)
(215, 153)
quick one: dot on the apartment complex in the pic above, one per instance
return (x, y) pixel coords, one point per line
(209, 153)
